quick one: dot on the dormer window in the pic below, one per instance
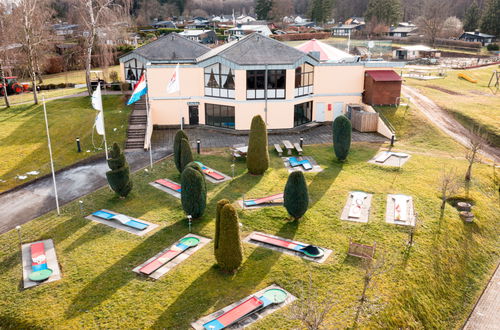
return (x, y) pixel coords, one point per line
(219, 81)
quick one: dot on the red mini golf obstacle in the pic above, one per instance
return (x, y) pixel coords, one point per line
(209, 172)
(176, 250)
(40, 270)
(309, 250)
(263, 200)
(169, 184)
(247, 308)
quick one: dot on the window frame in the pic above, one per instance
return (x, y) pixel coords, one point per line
(220, 91)
(220, 111)
(257, 91)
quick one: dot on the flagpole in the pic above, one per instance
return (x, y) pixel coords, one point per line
(177, 76)
(103, 126)
(149, 116)
(50, 154)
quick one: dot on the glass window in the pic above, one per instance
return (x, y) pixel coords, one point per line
(219, 115)
(219, 81)
(304, 77)
(256, 84)
(302, 113)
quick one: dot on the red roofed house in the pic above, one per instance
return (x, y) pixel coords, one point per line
(382, 87)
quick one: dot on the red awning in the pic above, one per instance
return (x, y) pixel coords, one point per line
(384, 75)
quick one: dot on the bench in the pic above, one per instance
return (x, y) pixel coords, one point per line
(288, 146)
(277, 147)
(298, 148)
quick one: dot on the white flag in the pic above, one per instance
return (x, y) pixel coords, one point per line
(97, 99)
(99, 123)
(174, 82)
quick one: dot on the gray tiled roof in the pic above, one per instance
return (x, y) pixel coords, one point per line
(256, 49)
(172, 47)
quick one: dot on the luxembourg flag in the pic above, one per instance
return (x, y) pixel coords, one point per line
(140, 89)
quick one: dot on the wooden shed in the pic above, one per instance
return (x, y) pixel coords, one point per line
(382, 87)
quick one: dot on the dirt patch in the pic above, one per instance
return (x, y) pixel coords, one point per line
(444, 90)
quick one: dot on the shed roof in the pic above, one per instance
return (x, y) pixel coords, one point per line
(383, 75)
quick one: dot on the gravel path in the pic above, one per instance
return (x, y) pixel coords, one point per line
(445, 121)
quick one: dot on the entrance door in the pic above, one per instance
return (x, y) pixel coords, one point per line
(193, 115)
(337, 109)
(320, 112)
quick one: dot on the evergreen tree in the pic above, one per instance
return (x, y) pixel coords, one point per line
(258, 154)
(229, 253)
(263, 8)
(320, 10)
(220, 205)
(194, 190)
(177, 149)
(186, 154)
(342, 132)
(472, 17)
(296, 195)
(385, 12)
(119, 176)
(490, 20)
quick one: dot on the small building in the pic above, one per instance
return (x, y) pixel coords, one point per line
(164, 25)
(346, 29)
(483, 38)
(402, 31)
(202, 36)
(415, 51)
(382, 87)
(240, 31)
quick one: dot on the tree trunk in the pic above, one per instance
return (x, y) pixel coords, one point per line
(443, 204)
(468, 174)
(90, 43)
(4, 87)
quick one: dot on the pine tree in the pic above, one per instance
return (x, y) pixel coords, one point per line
(194, 191)
(186, 154)
(220, 205)
(385, 12)
(263, 8)
(119, 176)
(490, 20)
(472, 17)
(342, 132)
(177, 149)
(229, 253)
(296, 195)
(258, 154)
(320, 10)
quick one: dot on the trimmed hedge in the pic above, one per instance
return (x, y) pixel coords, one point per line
(342, 132)
(220, 205)
(186, 154)
(229, 253)
(296, 195)
(194, 190)
(258, 155)
(119, 176)
(177, 149)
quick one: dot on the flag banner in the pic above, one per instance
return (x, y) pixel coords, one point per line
(140, 89)
(174, 83)
(99, 123)
(97, 99)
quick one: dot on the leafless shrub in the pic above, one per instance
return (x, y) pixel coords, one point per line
(449, 185)
(475, 145)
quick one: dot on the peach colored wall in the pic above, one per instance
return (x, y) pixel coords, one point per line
(338, 79)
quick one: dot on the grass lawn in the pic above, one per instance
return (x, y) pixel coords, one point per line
(23, 141)
(28, 97)
(472, 104)
(432, 285)
(77, 76)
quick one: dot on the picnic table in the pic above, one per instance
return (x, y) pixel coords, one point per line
(288, 145)
(239, 150)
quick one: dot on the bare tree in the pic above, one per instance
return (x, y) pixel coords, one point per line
(96, 15)
(452, 27)
(432, 20)
(310, 309)
(4, 41)
(449, 185)
(475, 144)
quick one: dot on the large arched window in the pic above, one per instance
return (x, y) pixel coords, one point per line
(219, 81)
(304, 79)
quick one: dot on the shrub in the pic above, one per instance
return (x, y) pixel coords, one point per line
(119, 176)
(177, 149)
(194, 191)
(296, 196)
(493, 47)
(220, 205)
(342, 131)
(113, 76)
(229, 253)
(258, 155)
(186, 154)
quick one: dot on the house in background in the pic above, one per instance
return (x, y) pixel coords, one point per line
(164, 25)
(203, 36)
(415, 51)
(476, 36)
(240, 31)
(346, 29)
(402, 30)
(242, 19)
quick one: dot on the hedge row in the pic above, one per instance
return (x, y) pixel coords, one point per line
(301, 36)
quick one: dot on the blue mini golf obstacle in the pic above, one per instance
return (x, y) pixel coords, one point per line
(123, 219)
(306, 164)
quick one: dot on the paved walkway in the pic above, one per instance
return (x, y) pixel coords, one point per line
(35, 199)
(486, 313)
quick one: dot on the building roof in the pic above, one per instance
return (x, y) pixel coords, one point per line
(419, 48)
(256, 49)
(384, 75)
(478, 34)
(346, 26)
(188, 33)
(172, 47)
(165, 23)
(403, 29)
(327, 53)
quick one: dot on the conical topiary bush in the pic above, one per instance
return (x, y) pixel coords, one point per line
(186, 154)
(220, 205)
(229, 254)
(194, 190)
(119, 175)
(296, 195)
(177, 148)
(257, 155)
(342, 132)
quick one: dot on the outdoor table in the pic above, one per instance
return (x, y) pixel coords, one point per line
(288, 145)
